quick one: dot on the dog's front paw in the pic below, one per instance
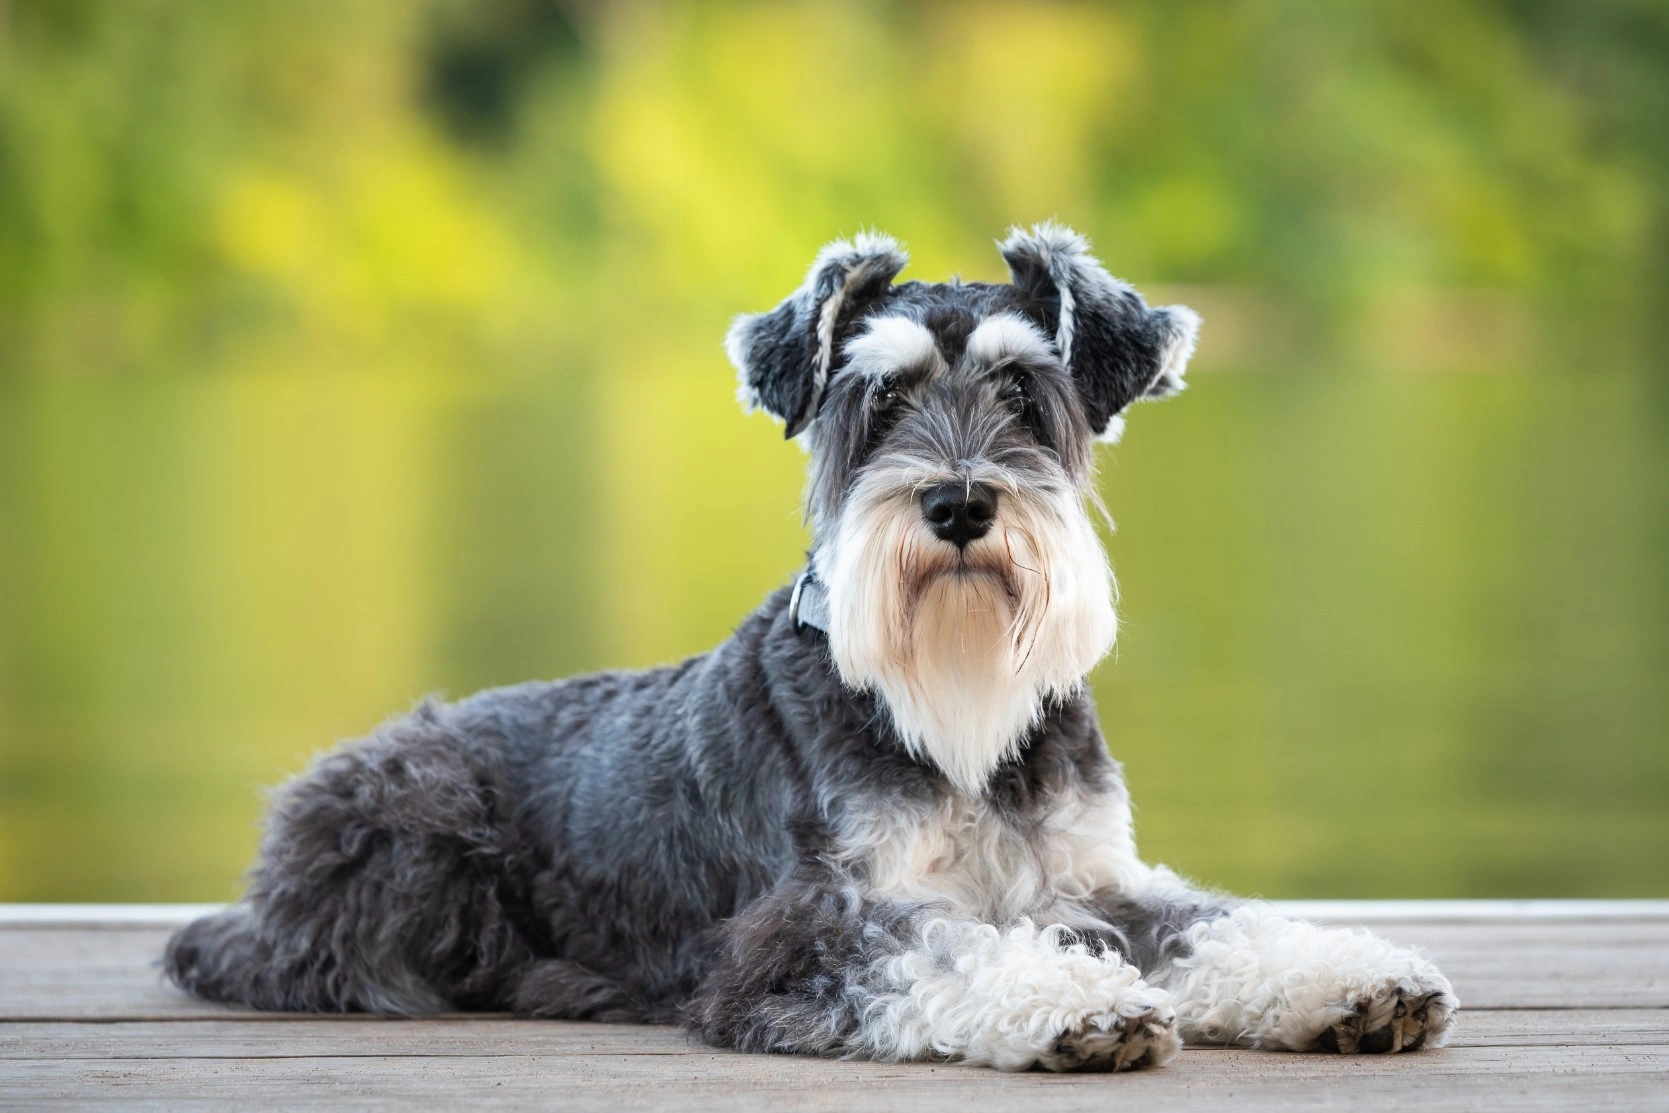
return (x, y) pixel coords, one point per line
(1259, 979)
(1401, 1014)
(1137, 1034)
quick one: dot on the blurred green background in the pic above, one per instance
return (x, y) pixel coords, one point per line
(358, 349)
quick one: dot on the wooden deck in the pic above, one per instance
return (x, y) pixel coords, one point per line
(1566, 1006)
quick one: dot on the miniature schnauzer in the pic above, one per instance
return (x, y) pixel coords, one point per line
(880, 820)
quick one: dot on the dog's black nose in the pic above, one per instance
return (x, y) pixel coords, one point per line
(959, 512)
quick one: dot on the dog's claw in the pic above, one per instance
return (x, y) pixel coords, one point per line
(1399, 1019)
(1117, 1043)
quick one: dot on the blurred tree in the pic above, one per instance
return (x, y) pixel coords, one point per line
(179, 179)
(479, 58)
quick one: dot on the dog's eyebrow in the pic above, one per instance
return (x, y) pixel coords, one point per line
(1006, 336)
(892, 344)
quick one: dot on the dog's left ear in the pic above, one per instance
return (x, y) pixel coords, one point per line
(784, 357)
(1118, 349)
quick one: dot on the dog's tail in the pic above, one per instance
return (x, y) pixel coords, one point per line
(222, 957)
(227, 956)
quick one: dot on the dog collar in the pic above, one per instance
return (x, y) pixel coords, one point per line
(809, 605)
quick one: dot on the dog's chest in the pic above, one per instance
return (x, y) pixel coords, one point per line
(988, 864)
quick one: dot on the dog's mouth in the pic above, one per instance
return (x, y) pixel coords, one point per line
(969, 566)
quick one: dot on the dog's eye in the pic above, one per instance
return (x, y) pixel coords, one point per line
(886, 398)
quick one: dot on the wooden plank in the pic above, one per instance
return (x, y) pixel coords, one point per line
(1519, 1078)
(351, 1036)
(552, 1039)
(86, 973)
(102, 915)
(1559, 964)
(1426, 911)
(1562, 1027)
(111, 973)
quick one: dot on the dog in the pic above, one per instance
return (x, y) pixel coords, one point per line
(880, 820)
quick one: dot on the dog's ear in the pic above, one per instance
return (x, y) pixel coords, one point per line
(783, 357)
(1118, 349)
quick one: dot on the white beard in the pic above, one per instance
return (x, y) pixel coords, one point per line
(966, 649)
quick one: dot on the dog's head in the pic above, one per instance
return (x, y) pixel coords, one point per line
(950, 427)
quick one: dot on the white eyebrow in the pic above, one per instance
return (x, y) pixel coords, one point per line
(892, 344)
(1007, 335)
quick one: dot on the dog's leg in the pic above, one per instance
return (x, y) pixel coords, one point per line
(819, 969)
(1243, 974)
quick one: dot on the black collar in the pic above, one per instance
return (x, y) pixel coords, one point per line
(809, 605)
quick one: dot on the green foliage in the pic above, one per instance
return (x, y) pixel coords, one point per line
(189, 181)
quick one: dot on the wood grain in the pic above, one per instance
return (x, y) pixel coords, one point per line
(359, 1037)
(1519, 1078)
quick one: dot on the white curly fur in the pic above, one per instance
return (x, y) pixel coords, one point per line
(970, 990)
(1004, 335)
(891, 344)
(1013, 998)
(959, 853)
(1258, 979)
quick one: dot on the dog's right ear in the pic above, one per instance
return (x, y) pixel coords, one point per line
(783, 357)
